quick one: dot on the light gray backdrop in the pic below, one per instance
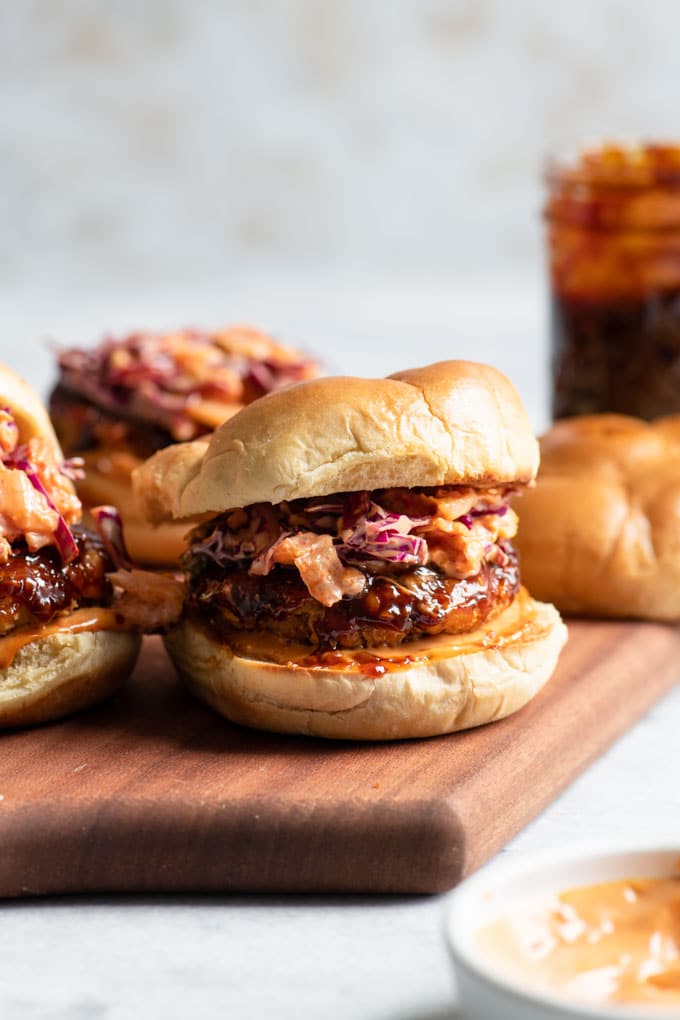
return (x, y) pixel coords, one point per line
(360, 176)
(156, 139)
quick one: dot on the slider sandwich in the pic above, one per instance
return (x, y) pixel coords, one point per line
(116, 404)
(353, 574)
(70, 617)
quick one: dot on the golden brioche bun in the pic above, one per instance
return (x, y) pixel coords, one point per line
(447, 683)
(158, 482)
(451, 423)
(600, 533)
(61, 673)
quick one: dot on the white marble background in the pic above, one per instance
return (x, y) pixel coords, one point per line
(172, 140)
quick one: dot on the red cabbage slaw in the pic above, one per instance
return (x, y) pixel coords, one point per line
(469, 518)
(63, 536)
(224, 546)
(109, 525)
(366, 534)
(107, 518)
(379, 535)
(16, 457)
(139, 377)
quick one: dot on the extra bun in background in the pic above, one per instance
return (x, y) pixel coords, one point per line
(49, 665)
(119, 402)
(319, 493)
(600, 532)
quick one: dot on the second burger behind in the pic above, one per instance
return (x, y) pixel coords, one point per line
(116, 404)
(355, 576)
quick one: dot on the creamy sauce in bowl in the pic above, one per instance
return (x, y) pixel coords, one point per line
(615, 942)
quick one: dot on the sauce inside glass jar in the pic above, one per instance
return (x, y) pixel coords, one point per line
(613, 233)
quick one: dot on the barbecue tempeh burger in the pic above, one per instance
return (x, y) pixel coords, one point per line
(116, 404)
(69, 618)
(355, 575)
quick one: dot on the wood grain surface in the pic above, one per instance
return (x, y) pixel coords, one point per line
(153, 792)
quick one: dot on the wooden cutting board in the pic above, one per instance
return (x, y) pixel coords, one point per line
(154, 792)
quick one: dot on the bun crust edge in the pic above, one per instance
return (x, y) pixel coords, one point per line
(61, 673)
(440, 695)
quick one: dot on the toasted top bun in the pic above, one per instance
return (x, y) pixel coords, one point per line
(452, 423)
(600, 532)
(158, 484)
(444, 683)
(27, 409)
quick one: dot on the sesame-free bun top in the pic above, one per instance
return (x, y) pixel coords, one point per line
(27, 410)
(452, 423)
(600, 533)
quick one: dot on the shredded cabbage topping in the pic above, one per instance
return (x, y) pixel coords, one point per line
(186, 382)
(331, 540)
(37, 500)
(109, 525)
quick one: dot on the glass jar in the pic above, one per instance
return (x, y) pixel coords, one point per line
(613, 234)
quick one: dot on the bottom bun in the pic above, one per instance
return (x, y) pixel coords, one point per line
(62, 673)
(432, 686)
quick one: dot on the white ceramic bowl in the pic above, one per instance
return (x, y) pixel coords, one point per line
(525, 884)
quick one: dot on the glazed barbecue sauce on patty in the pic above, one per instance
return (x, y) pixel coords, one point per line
(35, 587)
(398, 604)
